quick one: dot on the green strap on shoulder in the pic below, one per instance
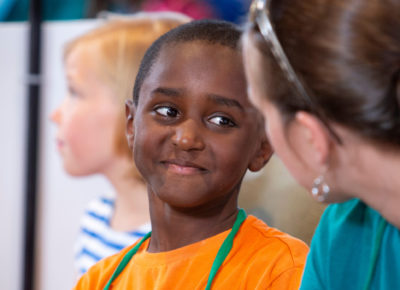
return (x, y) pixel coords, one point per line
(375, 252)
(225, 247)
(126, 260)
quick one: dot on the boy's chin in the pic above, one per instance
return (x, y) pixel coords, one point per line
(192, 200)
(181, 199)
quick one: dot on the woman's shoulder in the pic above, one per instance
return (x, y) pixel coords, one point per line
(351, 207)
(351, 215)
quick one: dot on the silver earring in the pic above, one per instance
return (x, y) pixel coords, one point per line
(320, 189)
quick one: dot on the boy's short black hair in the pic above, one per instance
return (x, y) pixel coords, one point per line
(210, 31)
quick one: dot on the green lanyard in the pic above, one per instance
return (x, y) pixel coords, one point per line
(219, 259)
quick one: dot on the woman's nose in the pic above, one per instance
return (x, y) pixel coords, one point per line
(188, 136)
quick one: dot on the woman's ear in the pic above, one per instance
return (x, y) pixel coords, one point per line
(263, 154)
(316, 140)
(129, 130)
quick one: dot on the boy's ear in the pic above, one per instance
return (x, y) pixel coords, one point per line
(129, 130)
(263, 154)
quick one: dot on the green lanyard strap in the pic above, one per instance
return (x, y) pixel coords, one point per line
(219, 259)
(125, 260)
(225, 248)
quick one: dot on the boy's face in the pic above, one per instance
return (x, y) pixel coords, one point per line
(195, 131)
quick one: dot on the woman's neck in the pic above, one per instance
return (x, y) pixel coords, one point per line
(175, 228)
(375, 179)
(383, 194)
(131, 207)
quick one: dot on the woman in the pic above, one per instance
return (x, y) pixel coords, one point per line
(326, 75)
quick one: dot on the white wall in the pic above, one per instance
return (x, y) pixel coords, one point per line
(12, 130)
(61, 198)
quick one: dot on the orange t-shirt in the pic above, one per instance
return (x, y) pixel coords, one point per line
(261, 258)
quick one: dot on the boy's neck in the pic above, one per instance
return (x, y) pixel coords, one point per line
(175, 228)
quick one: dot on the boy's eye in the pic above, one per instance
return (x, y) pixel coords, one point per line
(222, 121)
(167, 111)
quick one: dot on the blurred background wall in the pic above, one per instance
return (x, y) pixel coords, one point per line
(271, 195)
(12, 128)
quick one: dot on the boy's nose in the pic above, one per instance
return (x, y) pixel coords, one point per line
(187, 136)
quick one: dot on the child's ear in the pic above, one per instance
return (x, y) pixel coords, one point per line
(263, 154)
(129, 130)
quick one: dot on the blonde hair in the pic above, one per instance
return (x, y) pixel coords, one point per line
(121, 43)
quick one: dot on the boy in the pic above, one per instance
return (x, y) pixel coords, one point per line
(194, 134)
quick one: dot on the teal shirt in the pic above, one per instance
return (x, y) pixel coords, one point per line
(342, 249)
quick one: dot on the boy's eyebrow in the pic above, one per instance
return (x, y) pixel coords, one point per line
(167, 92)
(225, 101)
(220, 100)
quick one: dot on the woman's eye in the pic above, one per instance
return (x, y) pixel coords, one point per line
(167, 111)
(222, 121)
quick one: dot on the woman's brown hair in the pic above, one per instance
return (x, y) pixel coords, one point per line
(346, 54)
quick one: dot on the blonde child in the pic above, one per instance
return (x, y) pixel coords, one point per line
(100, 67)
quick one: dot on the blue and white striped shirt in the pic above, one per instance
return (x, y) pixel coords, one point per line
(97, 240)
